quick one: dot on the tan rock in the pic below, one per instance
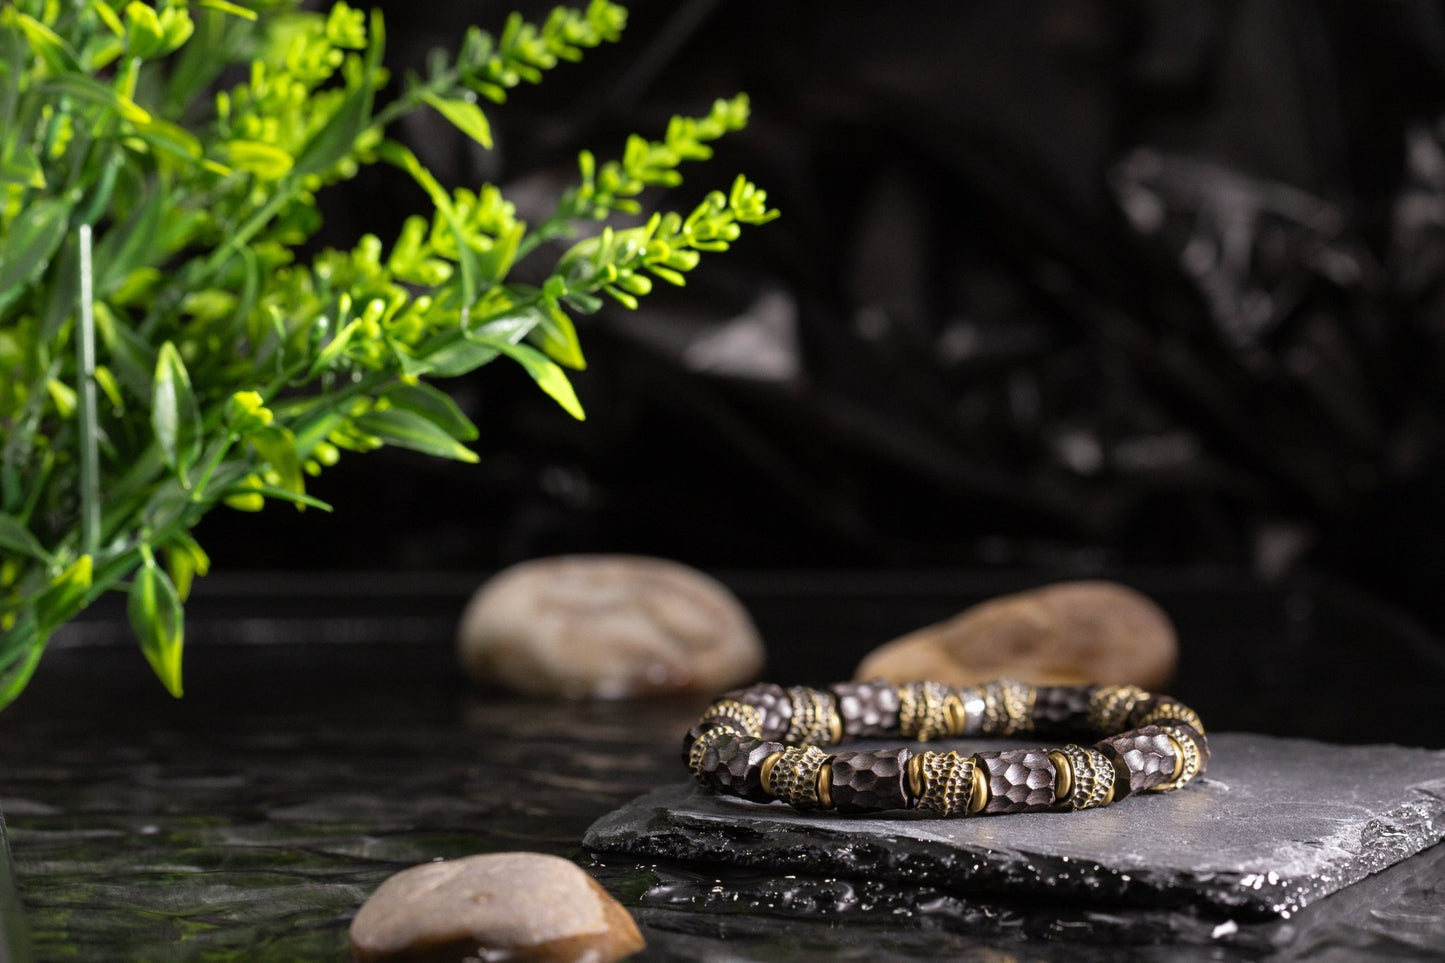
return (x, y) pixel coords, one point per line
(1069, 633)
(501, 906)
(609, 627)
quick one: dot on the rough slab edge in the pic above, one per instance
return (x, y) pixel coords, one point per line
(809, 847)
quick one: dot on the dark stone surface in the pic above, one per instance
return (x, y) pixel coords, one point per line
(14, 937)
(1275, 825)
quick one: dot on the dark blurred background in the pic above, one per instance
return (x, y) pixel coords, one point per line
(1075, 285)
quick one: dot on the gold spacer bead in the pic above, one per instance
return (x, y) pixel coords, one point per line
(947, 783)
(824, 788)
(794, 778)
(1064, 775)
(701, 745)
(814, 719)
(750, 718)
(1008, 707)
(956, 714)
(1110, 705)
(923, 710)
(1187, 758)
(914, 771)
(1091, 777)
(766, 771)
(980, 795)
(1171, 711)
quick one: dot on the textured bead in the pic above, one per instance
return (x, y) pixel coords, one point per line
(815, 718)
(1091, 777)
(1019, 780)
(1189, 759)
(1062, 708)
(869, 781)
(794, 777)
(868, 709)
(770, 700)
(689, 741)
(974, 707)
(1110, 706)
(945, 782)
(1162, 710)
(1008, 707)
(734, 765)
(1142, 758)
(923, 711)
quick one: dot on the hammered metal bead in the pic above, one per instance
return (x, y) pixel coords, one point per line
(869, 781)
(770, 700)
(868, 709)
(1189, 760)
(1019, 780)
(794, 777)
(750, 718)
(734, 766)
(1110, 705)
(1008, 707)
(1161, 710)
(923, 710)
(1143, 758)
(1091, 777)
(814, 718)
(945, 782)
(706, 740)
(1062, 708)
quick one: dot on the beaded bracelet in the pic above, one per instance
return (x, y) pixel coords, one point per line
(764, 743)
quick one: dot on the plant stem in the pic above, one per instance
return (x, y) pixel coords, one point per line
(85, 378)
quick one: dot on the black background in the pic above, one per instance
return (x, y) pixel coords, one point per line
(1070, 285)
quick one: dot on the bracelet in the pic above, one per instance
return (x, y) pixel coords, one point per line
(765, 742)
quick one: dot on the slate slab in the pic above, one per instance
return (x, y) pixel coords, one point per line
(1274, 825)
(14, 940)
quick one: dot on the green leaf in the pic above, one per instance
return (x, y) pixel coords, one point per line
(549, 377)
(172, 139)
(22, 167)
(465, 116)
(286, 495)
(175, 415)
(277, 447)
(231, 8)
(185, 560)
(32, 240)
(20, 649)
(15, 537)
(435, 406)
(158, 620)
(264, 160)
(82, 87)
(407, 429)
(337, 137)
(129, 245)
(48, 45)
(557, 336)
(328, 355)
(65, 597)
(456, 358)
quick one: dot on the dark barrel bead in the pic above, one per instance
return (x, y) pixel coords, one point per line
(734, 765)
(772, 701)
(1062, 708)
(1142, 758)
(870, 781)
(1019, 780)
(869, 709)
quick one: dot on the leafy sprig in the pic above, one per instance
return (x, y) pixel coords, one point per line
(225, 370)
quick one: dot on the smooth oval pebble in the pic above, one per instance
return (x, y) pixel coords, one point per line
(496, 907)
(1064, 634)
(607, 627)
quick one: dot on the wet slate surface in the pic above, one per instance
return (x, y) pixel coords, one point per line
(1275, 825)
(327, 740)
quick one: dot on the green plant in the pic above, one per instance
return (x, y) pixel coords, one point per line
(188, 358)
